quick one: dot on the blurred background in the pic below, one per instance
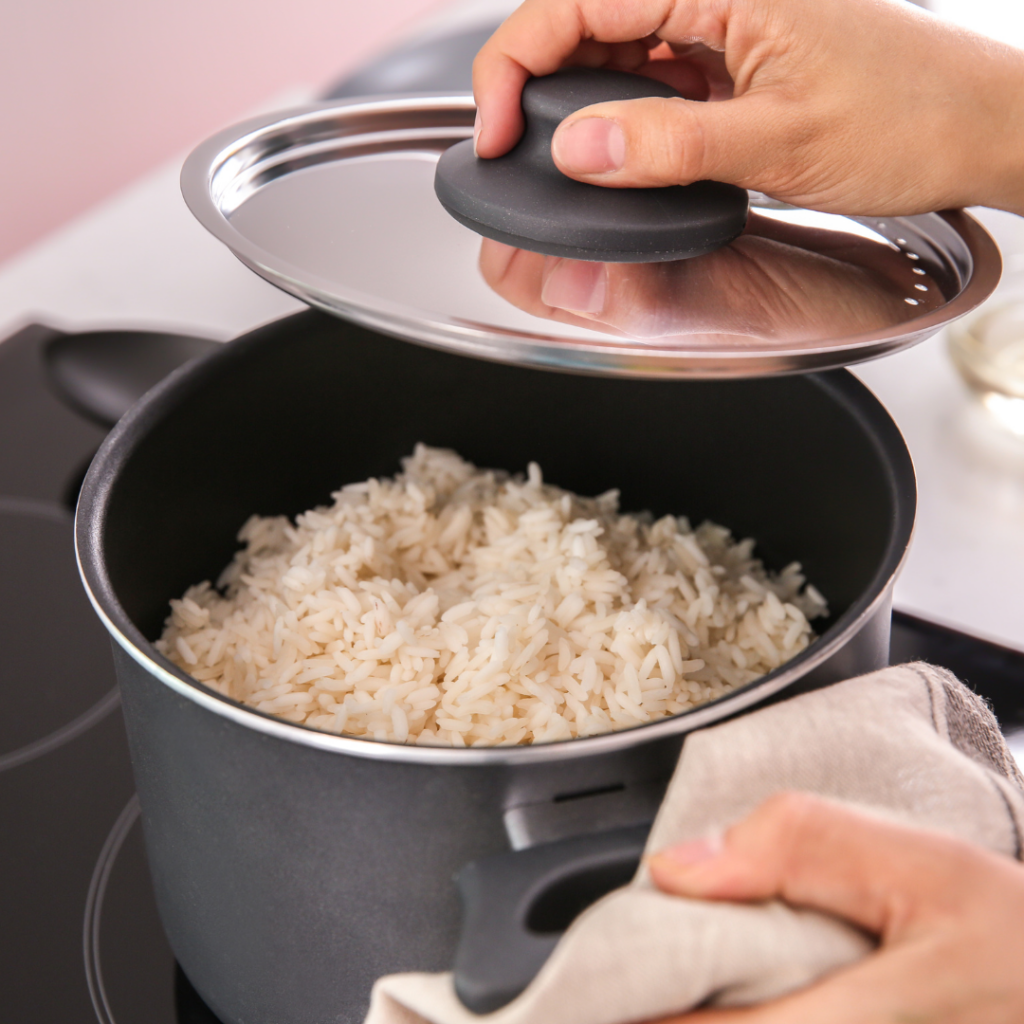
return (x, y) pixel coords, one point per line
(95, 94)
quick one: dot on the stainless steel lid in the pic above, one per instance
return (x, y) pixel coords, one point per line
(335, 204)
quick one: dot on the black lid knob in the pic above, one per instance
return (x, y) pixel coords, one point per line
(522, 198)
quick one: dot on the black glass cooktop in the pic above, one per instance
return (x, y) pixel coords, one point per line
(80, 941)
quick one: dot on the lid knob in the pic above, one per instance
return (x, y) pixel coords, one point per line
(522, 199)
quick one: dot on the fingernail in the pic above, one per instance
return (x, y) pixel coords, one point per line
(574, 285)
(695, 852)
(593, 145)
(478, 125)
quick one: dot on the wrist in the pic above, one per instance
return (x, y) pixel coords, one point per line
(1014, 188)
(996, 175)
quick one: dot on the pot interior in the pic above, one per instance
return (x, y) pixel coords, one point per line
(810, 466)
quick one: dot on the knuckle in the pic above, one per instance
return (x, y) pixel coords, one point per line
(672, 144)
(789, 812)
(778, 830)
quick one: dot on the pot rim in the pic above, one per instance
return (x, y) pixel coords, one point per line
(120, 444)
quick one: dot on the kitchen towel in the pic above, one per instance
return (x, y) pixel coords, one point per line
(909, 742)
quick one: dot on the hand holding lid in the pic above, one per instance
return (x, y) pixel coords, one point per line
(522, 199)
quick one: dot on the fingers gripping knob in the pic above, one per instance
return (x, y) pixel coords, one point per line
(524, 200)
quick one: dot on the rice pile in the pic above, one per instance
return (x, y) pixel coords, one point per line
(459, 606)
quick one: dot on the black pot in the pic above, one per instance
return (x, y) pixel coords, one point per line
(293, 867)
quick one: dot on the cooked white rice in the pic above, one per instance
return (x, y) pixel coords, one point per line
(459, 606)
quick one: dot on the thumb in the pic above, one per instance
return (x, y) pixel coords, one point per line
(882, 876)
(656, 141)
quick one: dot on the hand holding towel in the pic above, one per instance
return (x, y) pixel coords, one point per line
(910, 743)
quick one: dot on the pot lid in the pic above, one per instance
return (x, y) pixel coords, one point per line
(335, 204)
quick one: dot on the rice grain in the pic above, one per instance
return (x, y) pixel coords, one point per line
(458, 606)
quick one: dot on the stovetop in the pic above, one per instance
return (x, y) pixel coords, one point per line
(80, 940)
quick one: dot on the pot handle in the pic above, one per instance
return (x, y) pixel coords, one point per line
(516, 905)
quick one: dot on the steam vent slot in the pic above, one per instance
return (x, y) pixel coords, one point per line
(583, 813)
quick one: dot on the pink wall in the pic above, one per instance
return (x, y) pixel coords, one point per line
(93, 93)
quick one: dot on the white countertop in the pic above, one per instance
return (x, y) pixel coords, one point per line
(966, 563)
(141, 261)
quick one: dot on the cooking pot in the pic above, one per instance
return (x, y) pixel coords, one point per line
(292, 867)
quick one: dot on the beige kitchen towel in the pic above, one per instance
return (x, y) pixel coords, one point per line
(909, 742)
